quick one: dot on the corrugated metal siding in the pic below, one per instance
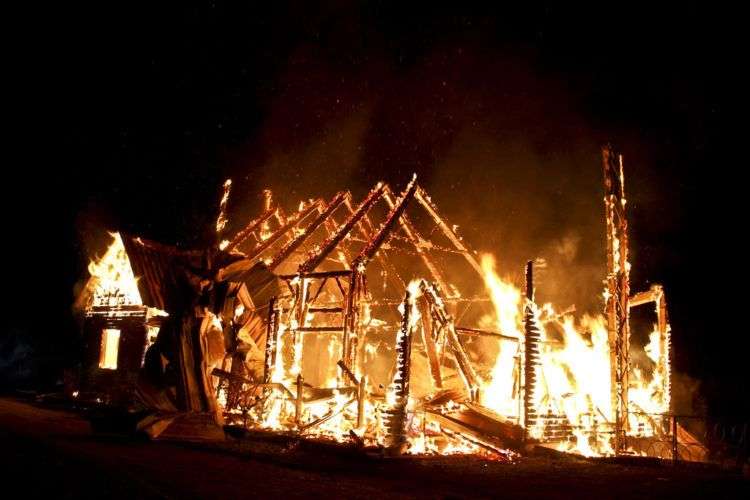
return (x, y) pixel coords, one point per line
(159, 270)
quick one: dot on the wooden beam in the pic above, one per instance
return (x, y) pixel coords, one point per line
(385, 229)
(247, 230)
(416, 239)
(290, 247)
(447, 230)
(429, 342)
(332, 242)
(290, 223)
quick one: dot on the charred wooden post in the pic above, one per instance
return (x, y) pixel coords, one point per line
(529, 282)
(357, 286)
(300, 322)
(272, 349)
(531, 362)
(393, 414)
(293, 245)
(665, 349)
(618, 290)
(272, 341)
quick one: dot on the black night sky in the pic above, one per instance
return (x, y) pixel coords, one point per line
(132, 116)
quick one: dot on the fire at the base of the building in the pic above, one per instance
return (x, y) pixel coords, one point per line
(373, 324)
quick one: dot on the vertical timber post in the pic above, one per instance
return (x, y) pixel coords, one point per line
(665, 348)
(351, 318)
(393, 414)
(532, 334)
(617, 293)
(272, 349)
(301, 306)
(272, 341)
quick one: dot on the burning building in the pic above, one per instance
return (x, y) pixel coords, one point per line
(372, 323)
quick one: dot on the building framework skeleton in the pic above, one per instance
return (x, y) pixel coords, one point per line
(307, 284)
(316, 300)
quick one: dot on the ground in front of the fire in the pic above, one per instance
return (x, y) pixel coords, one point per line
(54, 452)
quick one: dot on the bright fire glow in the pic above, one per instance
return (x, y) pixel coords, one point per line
(572, 401)
(571, 408)
(112, 279)
(575, 380)
(109, 348)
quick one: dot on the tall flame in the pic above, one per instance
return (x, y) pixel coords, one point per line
(575, 371)
(506, 299)
(112, 280)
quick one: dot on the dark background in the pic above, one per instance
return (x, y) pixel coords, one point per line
(131, 116)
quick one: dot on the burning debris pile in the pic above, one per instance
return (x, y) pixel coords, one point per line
(373, 324)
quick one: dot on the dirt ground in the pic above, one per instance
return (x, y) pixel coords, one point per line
(54, 452)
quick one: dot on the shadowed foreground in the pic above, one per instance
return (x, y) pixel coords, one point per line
(54, 452)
